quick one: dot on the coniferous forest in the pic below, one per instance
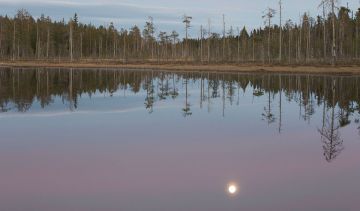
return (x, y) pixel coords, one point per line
(329, 38)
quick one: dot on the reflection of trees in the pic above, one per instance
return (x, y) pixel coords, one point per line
(164, 87)
(174, 93)
(223, 96)
(20, 88)
(330, 136)
(149, 100)
(186, 110)
(307, 100)
(72, 105)
(208, 92)
(214, 84)
(268, 115)
(357, 121)
(280, 104)
(344, 118)
(201, 91)
(231, 92)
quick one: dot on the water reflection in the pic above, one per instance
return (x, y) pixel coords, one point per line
(337, 97)
(152, 140)
(330, 135)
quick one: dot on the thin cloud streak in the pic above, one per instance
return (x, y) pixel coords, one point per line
(166, 13)
(84, 112)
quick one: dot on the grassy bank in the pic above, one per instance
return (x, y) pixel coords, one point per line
(320, 69)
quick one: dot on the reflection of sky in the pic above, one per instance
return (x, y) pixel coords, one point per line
(167, 13)
(103, 160)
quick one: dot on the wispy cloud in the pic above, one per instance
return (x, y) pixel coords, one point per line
(167, 13)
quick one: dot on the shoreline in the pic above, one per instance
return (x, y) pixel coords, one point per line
(241, 68)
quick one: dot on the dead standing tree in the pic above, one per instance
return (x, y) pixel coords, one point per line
(71, 40)
(332, 5)
(322, 4)
(149, 31)
(174, 36)
(209, 39)
(186, 21)
(268, 15)
(224, 37)
(280, 29)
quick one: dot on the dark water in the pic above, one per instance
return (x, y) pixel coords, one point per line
(89, 140)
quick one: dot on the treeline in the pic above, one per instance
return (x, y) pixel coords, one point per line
(328, 38)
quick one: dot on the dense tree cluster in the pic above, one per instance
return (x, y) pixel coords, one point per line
(328, 38)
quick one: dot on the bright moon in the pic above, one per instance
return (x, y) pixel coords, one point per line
(232, 189)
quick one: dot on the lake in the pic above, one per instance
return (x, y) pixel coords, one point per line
(135, 140)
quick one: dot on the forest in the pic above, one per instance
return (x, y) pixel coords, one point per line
(329, 38)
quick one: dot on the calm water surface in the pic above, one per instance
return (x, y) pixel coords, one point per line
(120, 140)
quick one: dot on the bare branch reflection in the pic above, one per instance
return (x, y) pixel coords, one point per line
(330, 136)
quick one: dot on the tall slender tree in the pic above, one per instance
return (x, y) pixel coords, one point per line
(71, 51)
(280, 29)
(186, 21)
(269, 13)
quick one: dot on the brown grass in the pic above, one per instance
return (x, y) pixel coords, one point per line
(321, 69)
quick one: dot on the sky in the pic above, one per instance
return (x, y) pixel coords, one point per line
(167, 14)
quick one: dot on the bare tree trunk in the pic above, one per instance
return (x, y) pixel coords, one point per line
(280, 28)
(289, 54)
(18, 49)
(48, 43)
(263, 52)
(201, 43)
(308, 42)
(324, 30)
(297, 46)
(124, 47)
(224, 37)
(333, 32)
(357, 40)
(1, 31)
(173, 47)
(38, 51)
(71, 41)
(187, 20)
(209, 39)
(238, 46)
(269, 38)
(114, 45)
(253, 48)
(300, 40)
(81, 45)
(14, 41)
(100, 48)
